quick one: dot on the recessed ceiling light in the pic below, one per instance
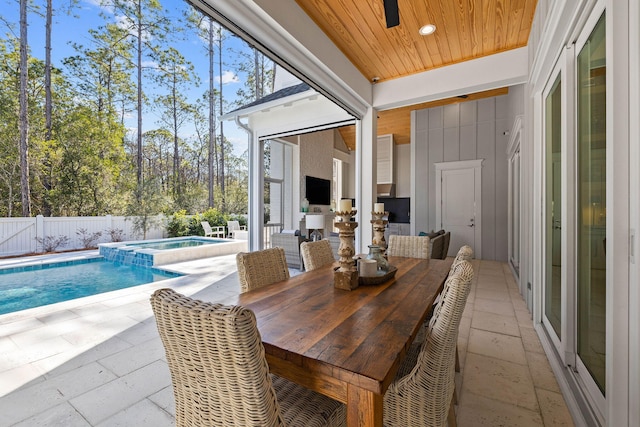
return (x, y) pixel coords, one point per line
(427, 29)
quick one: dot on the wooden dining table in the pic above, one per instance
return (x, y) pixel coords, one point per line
(347, 345)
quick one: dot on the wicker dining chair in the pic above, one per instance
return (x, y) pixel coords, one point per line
(408, 246)
(316, 254)
(220, 374)
(422, 393)
(465, 253)
(261, 268)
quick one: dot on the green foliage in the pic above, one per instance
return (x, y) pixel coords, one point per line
(145, 208)
(181, 224)
(178, 224)
(88, 165)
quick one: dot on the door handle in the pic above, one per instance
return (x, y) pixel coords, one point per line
(471, 225)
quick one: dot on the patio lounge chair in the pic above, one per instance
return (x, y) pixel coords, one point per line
(220, 374)
(217, 231)
(232, 227)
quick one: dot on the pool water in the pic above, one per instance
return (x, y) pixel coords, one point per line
(174, 244)
(42, 284)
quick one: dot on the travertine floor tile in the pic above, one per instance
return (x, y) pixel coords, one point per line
(61, 415)
(465, 326)
(107, 400)
(37, 398)
(495, 323)
(504, 347)
(500, 380)
(143, 414)
(502, 296)
(493, 306)
(541, 372)
(553, 408)
(475, 410)
(164, 399)
(531, 341)
(127, 361)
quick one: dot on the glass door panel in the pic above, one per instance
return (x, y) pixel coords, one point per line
(591, 201)
(553, 223)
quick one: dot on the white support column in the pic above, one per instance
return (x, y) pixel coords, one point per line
(634, 211)
(366, 176)
(40, 233)
(618, 193)
(256, 182)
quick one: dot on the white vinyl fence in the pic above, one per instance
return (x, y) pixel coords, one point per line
(19, 236)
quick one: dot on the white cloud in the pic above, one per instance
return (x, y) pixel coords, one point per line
(228, 77)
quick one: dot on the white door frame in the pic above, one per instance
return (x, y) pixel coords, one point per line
(515, 197)
(476, 165)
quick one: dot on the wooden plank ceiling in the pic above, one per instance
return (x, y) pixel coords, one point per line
(398, 120)
(465, 29)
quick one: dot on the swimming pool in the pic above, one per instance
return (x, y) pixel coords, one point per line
(147, 253)
(43, 284)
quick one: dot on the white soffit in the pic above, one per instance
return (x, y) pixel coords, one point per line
(489, 72)
(300, 116)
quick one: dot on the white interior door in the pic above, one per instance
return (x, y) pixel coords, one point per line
(459, 203)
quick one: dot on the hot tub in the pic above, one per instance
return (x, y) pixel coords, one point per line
(148, 253)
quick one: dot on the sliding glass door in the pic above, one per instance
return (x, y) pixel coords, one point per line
(574, 223)
(591, 229)
(552, 312)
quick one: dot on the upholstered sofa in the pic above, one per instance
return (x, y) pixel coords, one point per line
(291, 245)
(438, 244)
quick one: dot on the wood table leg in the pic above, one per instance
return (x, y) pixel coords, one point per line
(364, 408)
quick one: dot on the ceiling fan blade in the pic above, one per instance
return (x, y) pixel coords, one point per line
(391, 13)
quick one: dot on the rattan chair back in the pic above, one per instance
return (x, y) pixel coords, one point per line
(465, 253)
(408, 246)
(423, 396)
(316, 254)
(218, 367)
(261, 268)
(220, 374)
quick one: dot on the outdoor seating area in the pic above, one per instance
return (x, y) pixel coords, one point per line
(209, 231)
(106, 359)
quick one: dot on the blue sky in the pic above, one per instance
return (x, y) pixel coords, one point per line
(68, 28)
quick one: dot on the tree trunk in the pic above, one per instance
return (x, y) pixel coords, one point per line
(222, 178)
(212, 119)
(139, 104)
(176, 152)
(24, 117)
(47, 108)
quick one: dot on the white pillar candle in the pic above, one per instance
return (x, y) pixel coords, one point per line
(345, 205)
(378, 207)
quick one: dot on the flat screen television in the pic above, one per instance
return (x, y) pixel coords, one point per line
(318, 190)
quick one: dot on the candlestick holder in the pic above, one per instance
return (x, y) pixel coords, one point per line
(379, 226)
(346, 276)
